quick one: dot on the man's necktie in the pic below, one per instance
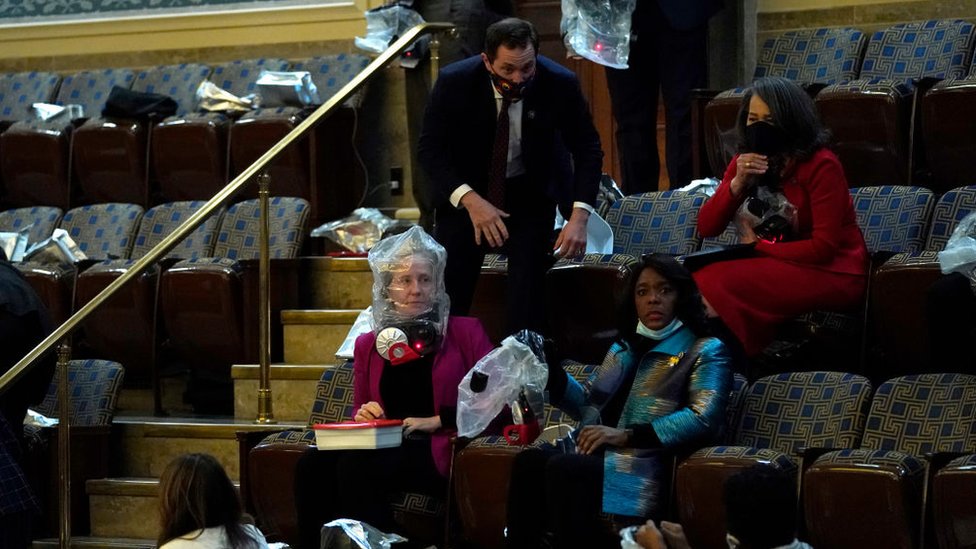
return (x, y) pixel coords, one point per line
(499, 159)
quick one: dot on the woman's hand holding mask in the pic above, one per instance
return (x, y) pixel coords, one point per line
(748, 166)
(592, 437)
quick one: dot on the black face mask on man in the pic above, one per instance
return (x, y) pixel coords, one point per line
(509, 90)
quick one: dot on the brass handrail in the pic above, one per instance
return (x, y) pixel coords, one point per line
(220, 199)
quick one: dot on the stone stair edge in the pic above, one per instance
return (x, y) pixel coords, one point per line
(281, 371)
(94, 542)
(127, 486)
(175, 428)
(319, 316)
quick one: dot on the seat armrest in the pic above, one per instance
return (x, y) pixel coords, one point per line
(938, 460)
(246, 441)
(809, 454)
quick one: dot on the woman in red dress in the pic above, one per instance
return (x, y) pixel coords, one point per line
(788, 196)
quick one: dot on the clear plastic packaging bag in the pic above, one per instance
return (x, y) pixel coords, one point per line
(598, 30)
(288, 89)
(14, 244)
(212, 97)
(959, 255)
(504, 372)
(48, 111)
(357, 233)
(768, 214)
(60, 248)
(362, 325)
(354, 534)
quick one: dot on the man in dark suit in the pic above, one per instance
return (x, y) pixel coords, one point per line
(667, 54)
(507, 136)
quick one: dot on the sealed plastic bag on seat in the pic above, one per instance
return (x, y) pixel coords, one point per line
(354, 534)
(959, 255)
(598, 30)
(499, 378)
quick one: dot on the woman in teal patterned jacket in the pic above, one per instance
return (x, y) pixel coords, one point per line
(662, 388)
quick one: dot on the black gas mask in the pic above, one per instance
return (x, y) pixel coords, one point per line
(408, 340)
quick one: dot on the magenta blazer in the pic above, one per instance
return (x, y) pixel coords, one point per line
(464, 345)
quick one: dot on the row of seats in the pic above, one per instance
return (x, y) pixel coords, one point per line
(200, 300)
(188, 156)
(900, 104)
(862, 458)
(909, 223)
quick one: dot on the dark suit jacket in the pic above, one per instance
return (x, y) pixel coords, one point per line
(689, 14)
(560, 146)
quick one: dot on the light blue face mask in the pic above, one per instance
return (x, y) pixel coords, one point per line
(659, 335)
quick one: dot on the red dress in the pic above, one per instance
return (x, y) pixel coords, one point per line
(823, 268)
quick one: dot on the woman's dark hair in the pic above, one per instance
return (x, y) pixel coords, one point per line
(688, 308)
(793, 110)
(512, 33)
(760, 507)
(195, 493)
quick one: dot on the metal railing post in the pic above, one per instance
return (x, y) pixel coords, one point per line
(265, 411)
(64, 445)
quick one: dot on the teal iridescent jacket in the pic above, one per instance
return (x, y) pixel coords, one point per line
(680, 389)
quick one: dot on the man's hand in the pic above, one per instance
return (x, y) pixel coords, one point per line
(649, 537)
(572, 238)
(592, 437)
(487, 220)
(674, 534)
(369, 411)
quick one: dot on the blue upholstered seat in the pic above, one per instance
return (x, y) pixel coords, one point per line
(884, 476)
(41, 219)
(18, 91)
(781, 415)
(661, 222)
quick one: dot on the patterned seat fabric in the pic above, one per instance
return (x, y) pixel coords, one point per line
(823, 56)
(869, 117)
(780, 415)
(21, 90)
(135, 306)
(208, 304)
(41, 219)
(332, 72)
(190, 150)
(94, 391)
(35, 153)
(663, 222)
(951, 208)
(103, 231)
(813, 56)
(893, 218)
(910, 417)
(110, 155)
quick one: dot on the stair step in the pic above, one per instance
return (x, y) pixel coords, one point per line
(337, 282)
(292, 390)
(89, 542)
(140, 401)
(125, 507)
(144, 446)
(313, 336)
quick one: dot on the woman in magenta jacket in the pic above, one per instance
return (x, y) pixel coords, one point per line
(788, 196)
(408, 368)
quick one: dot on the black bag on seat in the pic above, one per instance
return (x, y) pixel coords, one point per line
(126, 103)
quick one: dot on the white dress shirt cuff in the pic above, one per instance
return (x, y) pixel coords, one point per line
(582, 205)
(458, 193)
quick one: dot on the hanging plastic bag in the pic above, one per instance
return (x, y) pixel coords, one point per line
(598, 30)
(498, 380)
(959, 255)
(354, 534)
(385, 24)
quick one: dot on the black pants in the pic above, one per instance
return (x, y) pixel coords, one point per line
(674, 62)
(557, 495)
(951, 314)
(358, 484)
(529, 251)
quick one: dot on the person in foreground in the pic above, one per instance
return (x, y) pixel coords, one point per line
(789, 198)
(760, 511)
(199, 508)
(420, 388)
(507, 137)
(663, 387)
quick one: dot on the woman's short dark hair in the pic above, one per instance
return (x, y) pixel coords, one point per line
(760, 506)
(792, 109)
(688, 308)
(196, 493)
(513, 33)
